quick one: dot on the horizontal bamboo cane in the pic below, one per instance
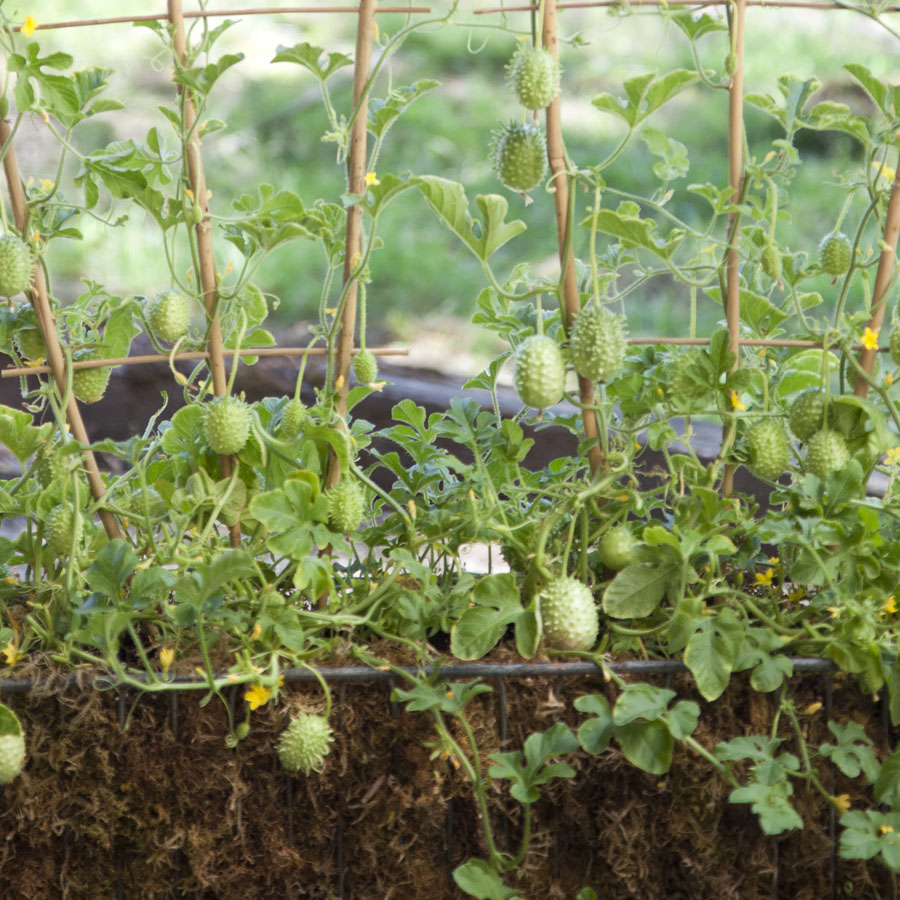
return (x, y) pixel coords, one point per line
(188, 355)
(211, 14)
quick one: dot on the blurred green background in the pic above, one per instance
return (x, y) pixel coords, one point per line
(423, 277)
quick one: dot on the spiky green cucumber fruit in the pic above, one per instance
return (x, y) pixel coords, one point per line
(680, 372)
(147, 501)
(346, 506)
(292, 418)
(569, 614)
(12, 745)
(770, 449)
(16, 265)
(807, 414)
(62, 529)
(534, 76)
(365, 367)
(826, 452)
(540, 372)
(520, 156)
(304, 744)
(895, 342)
(51, 467)
(616, 548)
(227, 425)
(169, 314)
(90, 385)
(599, 343)
(834, 253)
(771, 262)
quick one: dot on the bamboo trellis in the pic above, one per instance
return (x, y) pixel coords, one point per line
(366, 10)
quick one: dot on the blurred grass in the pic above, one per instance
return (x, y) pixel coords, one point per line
(275, 124)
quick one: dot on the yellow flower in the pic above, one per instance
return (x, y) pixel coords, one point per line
(46, 184)
(797, 594)
(371, 178)
(870, 339)
(764, 578)
(892, 457)
(736, 401)
(890, 606)
(166, 658)
(813, 708)
(888, 379)
(886, 829)
(354, 261)
(30, 26)
(835, 611)
(11, 652)
(257, 632)
(774, 560)
(257, 695)
(841, 802)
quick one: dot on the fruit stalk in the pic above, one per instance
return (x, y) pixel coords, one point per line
(41, 301)
(556, 156)
(882, 281)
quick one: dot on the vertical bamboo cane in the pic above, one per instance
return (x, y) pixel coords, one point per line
(203, 230)
(882, 281)
(55, 357)
(735, 173)
(556, 155)
(356, 183)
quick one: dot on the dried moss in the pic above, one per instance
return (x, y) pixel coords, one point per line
(167, 810)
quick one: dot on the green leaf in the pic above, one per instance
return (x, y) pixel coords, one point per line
(479, 880)
(641, 701)
(436, 694)
(481, 626)
(695, 28)
(887, 784)
(18, 434)
(877, 90)
(449, 202)
(111, 569)
(853, 752)
(595, 733)
(647, 745)
(771, 803)
(711, 652)
(673, 153)
(9, 722)
(531, 769)
(630, 230)
(869, 833)
(309, 56)
(635, 592)
(383, 113)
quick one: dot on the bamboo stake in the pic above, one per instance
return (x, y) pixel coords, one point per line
(882, 281)
(735, 174)
(149, 358)
(356, 184)
(210, 14)
(203, 230)
(556, 155)
(40, 300)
